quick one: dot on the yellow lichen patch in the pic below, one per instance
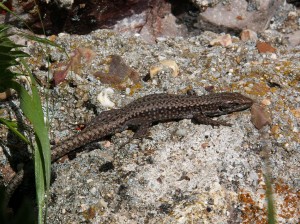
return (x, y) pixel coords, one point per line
(296, 137)
(259, 89)
(135, 88)
(286, 202)
(296, 112)
(97, 209)
(90, 213)
(290, 206)
(286, 127)
(199, 210)
(275, 129)
(251, 212)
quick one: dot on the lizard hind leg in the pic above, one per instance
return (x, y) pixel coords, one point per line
(140, 125)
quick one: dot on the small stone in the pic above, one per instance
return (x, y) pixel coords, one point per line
(89, 181)
(205, 145)
(155, 69)
(52, 38)
(181, 132)
(266, 102)
(240, 175)
(161, 39)
(104, 99)
(6, 94)
(273, 56)
(292, 15)
(224, 40)
(259, 117)
(294, 38)
(127, 91)
(93, 190)
(173, 65)
(296, 112)
(248, 35)
(117, 73)
(264, 47)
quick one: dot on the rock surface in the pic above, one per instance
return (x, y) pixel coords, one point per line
(148, 18)
(181, 172)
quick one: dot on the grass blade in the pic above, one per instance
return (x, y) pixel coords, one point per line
(42, 157)
(12, 126)
(32, 109)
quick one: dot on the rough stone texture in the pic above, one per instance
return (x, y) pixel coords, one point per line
(182, 172)
(149, 18)
(239, 14)
(294, 38)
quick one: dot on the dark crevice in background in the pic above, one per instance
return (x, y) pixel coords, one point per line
(294, 2)
(86, 16)
(186, 13)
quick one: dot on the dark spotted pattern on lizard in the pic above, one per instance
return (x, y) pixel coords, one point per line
(143, 112)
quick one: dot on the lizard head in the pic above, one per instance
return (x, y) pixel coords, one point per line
(229, 102)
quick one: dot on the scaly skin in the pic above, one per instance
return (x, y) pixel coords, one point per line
(143, 112)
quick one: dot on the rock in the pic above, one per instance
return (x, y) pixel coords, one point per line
(238, 15)
(6, 94)
(264, 47)
(155, 69)
(248, 35)
(259, 116)
(117, 73)
(294, 38)
(224, 40)
(103, 98)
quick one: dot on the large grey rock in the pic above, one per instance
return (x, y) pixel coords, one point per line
(239, 14)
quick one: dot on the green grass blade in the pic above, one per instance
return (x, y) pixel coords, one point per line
(16, 15)
(13, 127)
(42, 152)
(270, 201)
(3, 27)
(13, 54)
(32, 109)
(31, 106)
(40, 40)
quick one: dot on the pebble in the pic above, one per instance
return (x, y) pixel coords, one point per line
(93, 190)
(6, 94)
(266, 102)
(224, 40)
(181, 132)
(103, 98)
(155, 69)
(248, 34)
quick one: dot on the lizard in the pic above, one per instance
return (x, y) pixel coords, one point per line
(142, 113)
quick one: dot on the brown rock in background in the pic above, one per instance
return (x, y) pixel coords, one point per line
(149, 18)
